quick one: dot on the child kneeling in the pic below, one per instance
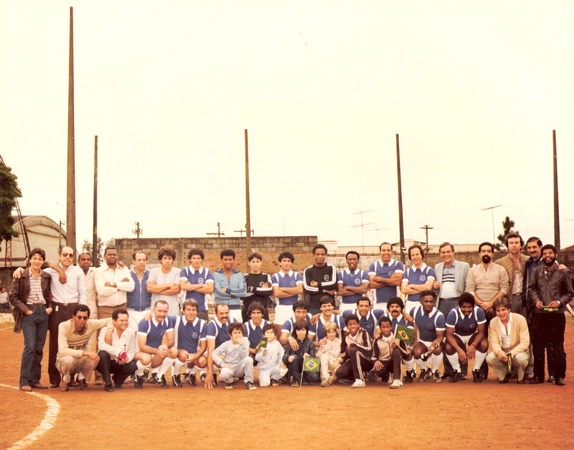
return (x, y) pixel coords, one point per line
(269, 359)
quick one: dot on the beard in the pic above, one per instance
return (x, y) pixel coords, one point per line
(549, 262)
(486, 259)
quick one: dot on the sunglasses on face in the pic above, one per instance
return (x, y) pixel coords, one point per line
(66, 255)
(82, 317)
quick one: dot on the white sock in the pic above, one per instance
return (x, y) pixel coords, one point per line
(165, 365)
(479, 359)
(410, 364)
(419, 362)
(454, 362)
(140, 369)
(177, 365)
(436, 359)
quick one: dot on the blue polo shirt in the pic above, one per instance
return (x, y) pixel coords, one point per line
(200, 276)
(318, 330)
(429, 324)
(352, 279)
(154, 330)
(465, 326)
(370, 322)
(418, 276)
(218, 331)
(287, 280)
(385, 271)
(253, 332)
(189, 334)
(289, 324)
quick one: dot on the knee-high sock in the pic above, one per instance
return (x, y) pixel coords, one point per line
(454, 362)
(140, 369)
(177, 365)
(421, 364)
(436, 360)
(164, 367)
(409, 364)
(479, 359)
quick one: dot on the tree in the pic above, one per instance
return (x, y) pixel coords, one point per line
(87, 247)
(507, 226)
(9, 193)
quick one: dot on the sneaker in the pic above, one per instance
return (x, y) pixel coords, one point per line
(325, 382)
(138, 382)
(161, 381)
(153, 379)
(250, 386)
(229, 385)
(176, 380)
(390, 380)
(437, 378)
(274, 383)
(551, 379)
(396, 384)
(358, 384)
(476, 376)
(455, 377)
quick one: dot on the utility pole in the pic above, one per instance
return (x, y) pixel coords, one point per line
(400, 189)
(492, 213)
(377, 230)
(242, 231)
(71, 178)
(95, 254)
(60, 236)
(426, 228)
(556, 203)
(219, 232)
(362, 225)
(247, 207)
(138, 231)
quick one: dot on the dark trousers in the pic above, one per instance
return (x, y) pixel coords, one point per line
(295, 368)
(445, 306)
(34, 328)
(59, 314)
(108, 365)
(548, 334)
(356, 363)
(392, 365)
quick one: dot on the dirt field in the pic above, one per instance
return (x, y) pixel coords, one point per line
(421, 415)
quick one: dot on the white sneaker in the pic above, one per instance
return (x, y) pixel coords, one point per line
(390, 380)
(358, 384)
(396, 384)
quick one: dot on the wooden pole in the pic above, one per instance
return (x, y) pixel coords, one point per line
(95, 254)
(247, 207)
(71, 178)
(401, 224)
(556, 202)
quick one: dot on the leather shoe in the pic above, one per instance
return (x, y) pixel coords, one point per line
(108, 388)
(560, 382)
(63, 386)
(523, 381)
(534, 380)
(26, 388)
(74, 383)
(54, 385)
(83, 384)
(39, 386)
(551, 379)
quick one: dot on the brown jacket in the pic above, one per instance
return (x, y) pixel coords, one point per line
(19, 292)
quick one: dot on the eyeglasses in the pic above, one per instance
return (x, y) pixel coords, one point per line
(66, 255)
(82, 317)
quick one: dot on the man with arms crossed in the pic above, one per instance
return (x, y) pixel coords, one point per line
(163, 282)
(85, 263)
(138, 300)
(287, 285)
(352, 283)
(385, 276)
(515, 265)
(259, 287)
(197, 282)
(417, 278)
(318, 279)
(229, 285)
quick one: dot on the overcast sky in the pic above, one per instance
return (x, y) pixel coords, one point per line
(474, 89)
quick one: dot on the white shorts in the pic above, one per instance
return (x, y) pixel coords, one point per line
(347, 307)
(135, 317)
(283, 313)
(464, 339)
(235, 314)
(409, 305)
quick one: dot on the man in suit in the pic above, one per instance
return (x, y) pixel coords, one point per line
(509, 342)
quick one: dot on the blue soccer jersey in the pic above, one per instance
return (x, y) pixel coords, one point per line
(154, 331)
(418, 276)
(400, 320)
(428, 324)
(189, 334)
(218, 331)
(465, 326)
(287, 280)
(386, 271)
(352, 279)
(318, 330)
(289, 324)
(192, 276)
(254, 332)
(370, 322)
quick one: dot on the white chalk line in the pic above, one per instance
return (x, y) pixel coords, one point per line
(46, 424)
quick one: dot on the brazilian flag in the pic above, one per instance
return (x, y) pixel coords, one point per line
(262, 344)
(311, 365)
(404, 334)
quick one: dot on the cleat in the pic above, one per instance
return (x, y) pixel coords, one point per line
(358, 384)
(161, 381)
(476, 376)
(428, 374)
(63, 386)
(455, 377)
(191, 380)
(153, 379)
(396, 384)
(138, 382)
(409, 377)
(229, 385)
(437, 378)
(534, 380)
(250, 386)
(176, 380)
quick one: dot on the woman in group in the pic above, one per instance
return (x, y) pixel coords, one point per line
(32, 300)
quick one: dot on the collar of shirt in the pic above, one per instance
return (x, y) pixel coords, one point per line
(192, 270)
(421, 268)
(282, 274)
(448, 267)
(391, 263)
(185, 322)
(348, 271)
(155, 322)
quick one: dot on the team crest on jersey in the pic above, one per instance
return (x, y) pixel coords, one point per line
(430, 326)
(200, 281)
(472, 325)
(194, 335)
(357, 281)
(293, 283)
(423, 278)
(326, 277)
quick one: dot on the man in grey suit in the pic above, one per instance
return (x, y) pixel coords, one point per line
(450, 284)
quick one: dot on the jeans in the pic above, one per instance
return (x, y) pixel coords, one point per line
(34, 328)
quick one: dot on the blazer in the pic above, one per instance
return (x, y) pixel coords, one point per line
(460, 272)
(519, 336)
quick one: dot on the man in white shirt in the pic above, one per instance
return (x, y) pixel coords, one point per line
(163, 282)
(112, 284)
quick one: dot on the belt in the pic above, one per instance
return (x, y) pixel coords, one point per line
(139, 310)
(35, 305)
(451, 299)
(65, 304)
(111, 306)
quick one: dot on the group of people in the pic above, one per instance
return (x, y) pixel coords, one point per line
(506, 314)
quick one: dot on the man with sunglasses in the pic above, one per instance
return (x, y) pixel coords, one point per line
(75, 343)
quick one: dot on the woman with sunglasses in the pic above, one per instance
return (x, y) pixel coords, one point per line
(31, 298)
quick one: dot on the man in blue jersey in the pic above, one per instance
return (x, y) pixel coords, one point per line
(395, 308)
(138, 300)
(154, 353)
(316, 330)
(197, 282)
(417, 278)
(368, 318)
(466, 337)
(352, 283)
(287, 286)
(253, 328)
(319, 279)
(300, 312)
(429, 339)
(216, 333)
(191, 344)
(229, 284)
(385, 276)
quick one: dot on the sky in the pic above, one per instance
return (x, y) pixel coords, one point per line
(473, 89)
